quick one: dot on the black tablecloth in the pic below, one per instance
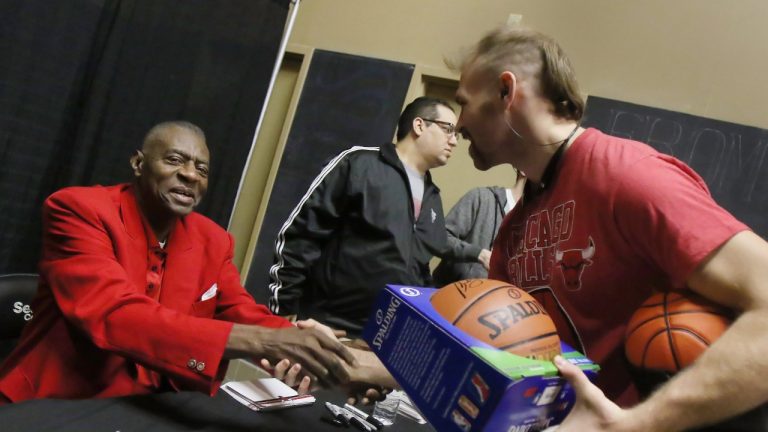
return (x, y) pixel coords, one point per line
(191, 411)
(186, 411)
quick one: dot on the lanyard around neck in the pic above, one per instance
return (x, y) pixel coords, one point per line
(551, 168)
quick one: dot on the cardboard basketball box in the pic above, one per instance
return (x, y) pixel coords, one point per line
(458, 382)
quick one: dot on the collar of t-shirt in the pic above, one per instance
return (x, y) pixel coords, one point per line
(510, 201)
(416, 181)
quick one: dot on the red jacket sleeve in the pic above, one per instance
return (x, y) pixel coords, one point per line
(87, 275)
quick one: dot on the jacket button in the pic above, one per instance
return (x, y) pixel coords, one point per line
(192, 363)
(201, 366)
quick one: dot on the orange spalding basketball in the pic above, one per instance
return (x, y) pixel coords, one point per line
(670, 330)
(499, 314)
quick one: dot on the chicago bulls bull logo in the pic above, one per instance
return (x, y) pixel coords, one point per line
(572, 263)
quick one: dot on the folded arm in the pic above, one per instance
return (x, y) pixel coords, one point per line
(727, 380)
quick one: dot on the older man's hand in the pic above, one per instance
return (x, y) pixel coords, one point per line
(322, 358)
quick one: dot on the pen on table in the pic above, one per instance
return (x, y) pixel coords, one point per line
(338, 416)
(273, 400)
(359, 423)
(333, 421)
(364, 416)
(351, 418)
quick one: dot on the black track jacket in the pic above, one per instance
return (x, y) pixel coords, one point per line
(352, 233)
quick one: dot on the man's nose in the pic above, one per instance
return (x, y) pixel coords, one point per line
(453, 139)
(189, 172)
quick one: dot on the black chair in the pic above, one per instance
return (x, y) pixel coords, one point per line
(16, 293)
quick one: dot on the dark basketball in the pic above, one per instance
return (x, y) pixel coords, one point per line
(501, 315)
(670, 330)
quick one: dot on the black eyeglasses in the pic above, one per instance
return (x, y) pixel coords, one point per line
(447, 127)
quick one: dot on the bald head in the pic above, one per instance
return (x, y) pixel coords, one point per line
(162, 133)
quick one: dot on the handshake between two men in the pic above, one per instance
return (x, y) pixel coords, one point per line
(311, 354)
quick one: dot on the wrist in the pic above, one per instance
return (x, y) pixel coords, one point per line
(244, 341)
(474, 251)
(369, 369)
(639, 418)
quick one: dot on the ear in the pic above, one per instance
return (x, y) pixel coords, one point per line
(418, 126)
(137, 161)
(508, 87)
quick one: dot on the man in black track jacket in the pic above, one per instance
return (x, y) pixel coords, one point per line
(371, 217)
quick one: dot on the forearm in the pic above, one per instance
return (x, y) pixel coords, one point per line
(461, 251)
(371, 370)
(728, 379)
(248, 341)
(120, 321)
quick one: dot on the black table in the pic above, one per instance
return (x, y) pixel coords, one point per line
(175, 412)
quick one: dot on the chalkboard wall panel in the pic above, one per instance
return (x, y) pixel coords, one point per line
(347, 100)
(731, 158)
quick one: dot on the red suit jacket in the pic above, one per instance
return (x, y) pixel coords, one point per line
(96, 333)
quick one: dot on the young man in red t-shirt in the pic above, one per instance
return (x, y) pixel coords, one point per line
(603, 222)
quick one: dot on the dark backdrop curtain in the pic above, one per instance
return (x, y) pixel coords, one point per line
(81, 81)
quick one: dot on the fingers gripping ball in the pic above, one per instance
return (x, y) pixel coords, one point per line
(499, 314)
(670, 330)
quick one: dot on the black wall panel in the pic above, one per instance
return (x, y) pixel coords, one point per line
(347, 100)
(732, 158)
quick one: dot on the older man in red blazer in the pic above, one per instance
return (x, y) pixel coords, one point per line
(139, 294)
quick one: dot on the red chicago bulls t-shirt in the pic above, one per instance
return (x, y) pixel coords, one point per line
(618, 220)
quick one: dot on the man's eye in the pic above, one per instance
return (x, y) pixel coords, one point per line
(203, 170)
(174, 160)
